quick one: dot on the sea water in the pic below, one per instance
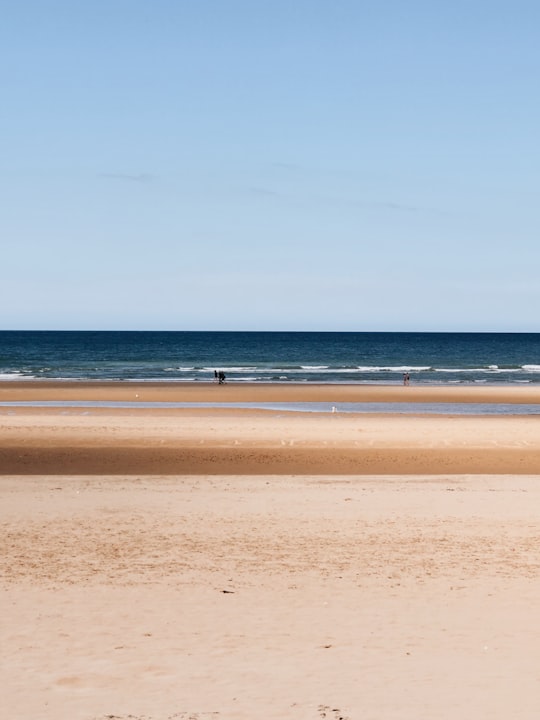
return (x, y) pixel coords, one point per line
(272, 357)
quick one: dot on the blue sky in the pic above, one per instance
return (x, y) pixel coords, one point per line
(270, 165)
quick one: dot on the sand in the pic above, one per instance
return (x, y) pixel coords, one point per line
(247, 564)
(250, 392)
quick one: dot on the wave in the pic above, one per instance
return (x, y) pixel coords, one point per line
(323, 369)
(490, 370)
(333, 370)
(179, 369)
(394, 368)
(284, 370)
(278, 372)
(16, 375)
(233, 368)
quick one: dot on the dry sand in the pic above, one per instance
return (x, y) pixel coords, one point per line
(240, 564)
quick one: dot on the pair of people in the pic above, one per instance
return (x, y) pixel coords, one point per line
(219, 375)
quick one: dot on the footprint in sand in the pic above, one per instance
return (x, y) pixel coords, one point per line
(325, 711)
(174, 716)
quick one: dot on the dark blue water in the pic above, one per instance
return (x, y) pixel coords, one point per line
(275, 357)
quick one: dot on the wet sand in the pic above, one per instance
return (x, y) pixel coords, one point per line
(254, 442)
(258, 392)
(217, 442)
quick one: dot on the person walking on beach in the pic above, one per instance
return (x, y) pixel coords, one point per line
(221, 376)
(215, 375)
(406, 378)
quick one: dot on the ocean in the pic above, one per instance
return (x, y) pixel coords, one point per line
(272, 357)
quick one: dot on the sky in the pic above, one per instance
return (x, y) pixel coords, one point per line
(270, 165)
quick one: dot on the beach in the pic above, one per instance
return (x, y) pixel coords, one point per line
(35, 390)
(232, 563)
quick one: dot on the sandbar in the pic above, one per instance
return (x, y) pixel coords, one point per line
(263, 392)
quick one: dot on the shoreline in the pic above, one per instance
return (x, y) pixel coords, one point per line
(149, 391)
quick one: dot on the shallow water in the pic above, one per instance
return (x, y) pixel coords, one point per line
(315, 407)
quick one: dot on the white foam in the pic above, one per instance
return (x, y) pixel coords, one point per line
(393, 368)
(489, 370)
(531, 368)
(322, 371)
(16, 376)
(242, 368)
